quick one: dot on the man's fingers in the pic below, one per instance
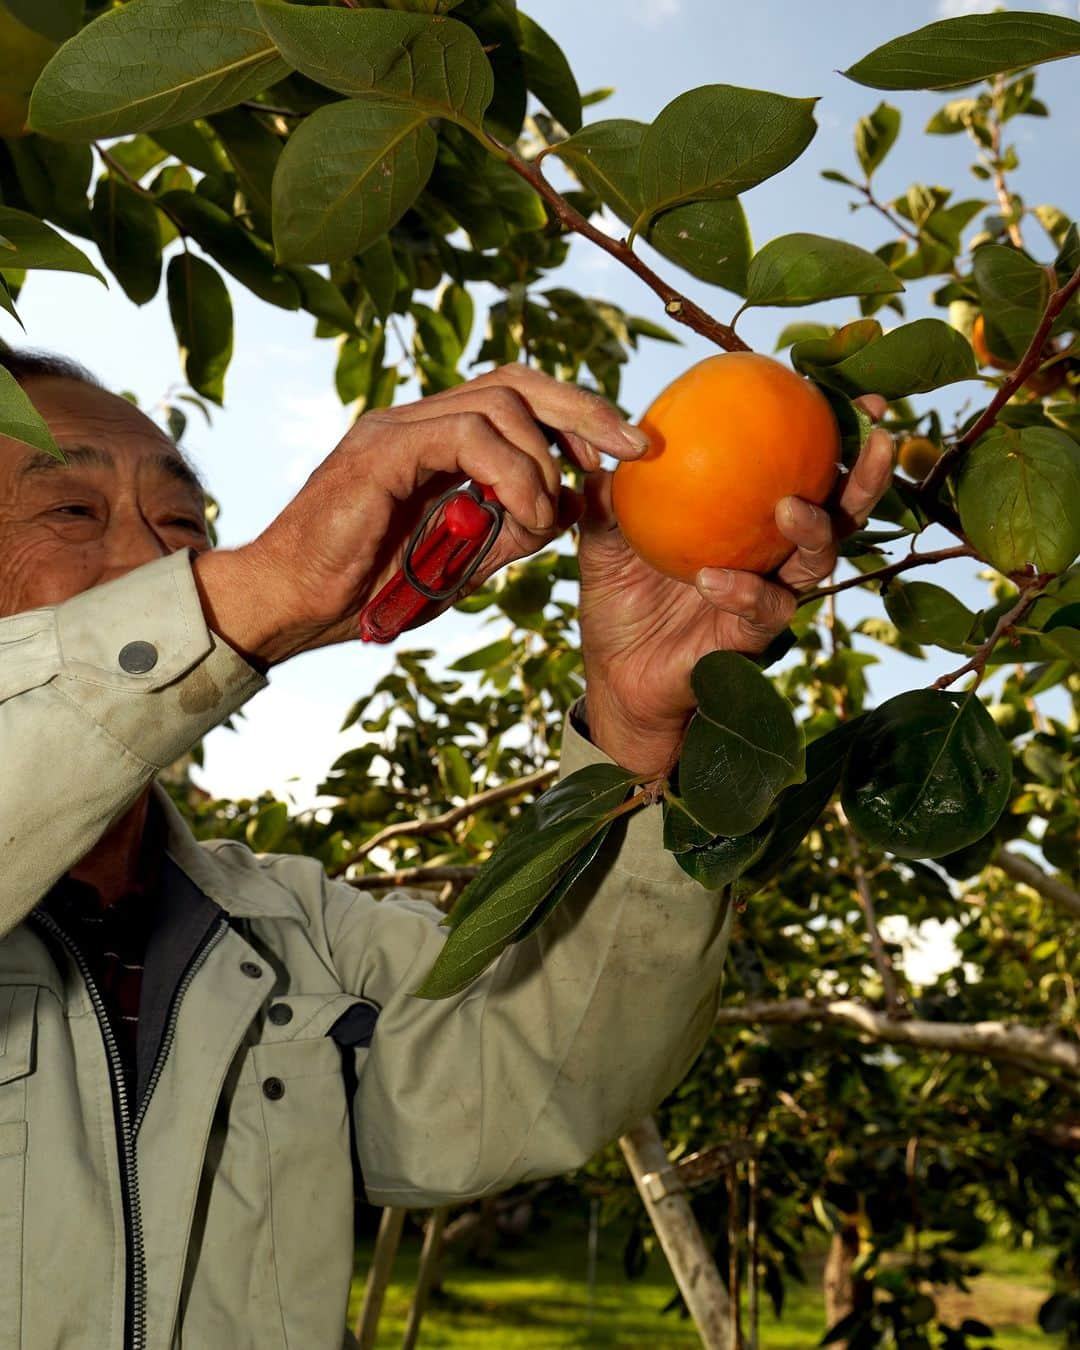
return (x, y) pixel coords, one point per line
(873, 405)
(810, 529)
(868, 481)
(762, 607)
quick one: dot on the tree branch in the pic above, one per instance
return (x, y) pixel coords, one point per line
(434, 875)
(117, 168)
(882, 963)
(1040, 1050)
(676, 305)
(1000, 186)
(882, 209)
(434, 824)
(977, 665)
(893, 570)
(1029, 363)
(1024, 870)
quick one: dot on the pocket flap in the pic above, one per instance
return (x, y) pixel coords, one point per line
(17, 1005)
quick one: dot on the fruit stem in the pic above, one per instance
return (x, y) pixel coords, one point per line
(1029, 363)
(675, 304)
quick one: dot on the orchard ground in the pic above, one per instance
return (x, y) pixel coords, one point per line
(535, 1297)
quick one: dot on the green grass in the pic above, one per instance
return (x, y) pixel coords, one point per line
(535, 1298)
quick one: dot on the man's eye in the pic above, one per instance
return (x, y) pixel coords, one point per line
(188, 523)
(74, 509)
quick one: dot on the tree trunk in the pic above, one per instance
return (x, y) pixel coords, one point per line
(844, 1294)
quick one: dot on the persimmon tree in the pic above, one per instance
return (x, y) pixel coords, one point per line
(369, 164)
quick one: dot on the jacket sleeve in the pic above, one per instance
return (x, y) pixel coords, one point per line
(80, 736)
(570, 1038)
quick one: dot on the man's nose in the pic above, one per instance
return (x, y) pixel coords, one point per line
(132, 542)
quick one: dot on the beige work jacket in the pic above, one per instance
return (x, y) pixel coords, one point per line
(216, 1214)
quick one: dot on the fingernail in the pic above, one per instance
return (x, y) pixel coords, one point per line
(798, 514)
(545, 511)
(637, 438)
(715, 579)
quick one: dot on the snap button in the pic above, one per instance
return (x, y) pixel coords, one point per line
(280, 1014)
(273, 1088)
(251, 970)
(138, 657)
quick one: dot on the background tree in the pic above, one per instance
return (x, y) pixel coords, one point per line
(283, 137)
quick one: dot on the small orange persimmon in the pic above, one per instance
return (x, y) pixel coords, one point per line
(1040, 382)
(728, 440)
(918, 455)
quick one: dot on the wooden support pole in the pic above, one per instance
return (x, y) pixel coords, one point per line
(382, 1264)
(429, 1261)
(668, 1206)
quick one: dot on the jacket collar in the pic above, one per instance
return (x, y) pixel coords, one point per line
(242, 888)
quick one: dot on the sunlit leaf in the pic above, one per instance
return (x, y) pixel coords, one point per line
(799, 269)
(20, 420)
(32, 244)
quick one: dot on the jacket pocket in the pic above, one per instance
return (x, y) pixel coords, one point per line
(17, 1008)
(305, 1116)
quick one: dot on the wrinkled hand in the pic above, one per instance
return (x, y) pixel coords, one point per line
(303, 581)
(642, 633)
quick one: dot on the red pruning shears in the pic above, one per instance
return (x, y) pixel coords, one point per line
(454, 537)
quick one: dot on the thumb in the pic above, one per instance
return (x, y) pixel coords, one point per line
(599, 528)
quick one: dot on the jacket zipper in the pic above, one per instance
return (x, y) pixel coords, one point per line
(135, 1333)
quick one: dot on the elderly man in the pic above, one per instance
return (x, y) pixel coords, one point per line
(175, 1126)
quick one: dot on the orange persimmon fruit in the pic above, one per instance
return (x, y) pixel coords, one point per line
(1039, 382)
(918, 455)
(728, 440)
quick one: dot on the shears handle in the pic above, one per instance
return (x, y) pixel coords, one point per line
(437, 564)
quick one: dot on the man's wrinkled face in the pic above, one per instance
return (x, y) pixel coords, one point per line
(124, 498)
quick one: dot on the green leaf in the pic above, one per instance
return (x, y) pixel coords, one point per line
(1019, 498)
(436, 337)
(456, 306)
(358, 366)
(32, 244)
(21, 421)
(710, 239)
(681, 831)
(929, 774)
(1014, 292)
(960, 51)
(799, 807)
(54, 179)
(724, 859)
(378, 272)
(192, 144)
(7, 303)
(266, 830)
(957, 115)
(126, 230)
(321, 298)
(812, 354)
(237, 251)
(54, 19)
(742, 747)
(349, 172)
(494, 654)
(497, 907)
(912, 359)
(548, 74)
(202, 317)
(24, 52)
(929, 615)
(875, 136)
(803, 330)
(136, 156)
(155, 63)
(253, 152)
(717, 142)
(436, 65)
(799, 269)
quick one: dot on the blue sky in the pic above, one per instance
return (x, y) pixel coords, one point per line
(282, 415)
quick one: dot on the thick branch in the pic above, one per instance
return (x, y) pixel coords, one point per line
(1023, 869)
(435, 824)
(1029, 363)
(415, 876)
(1041, 1050)
(675, 304)
(884, 574)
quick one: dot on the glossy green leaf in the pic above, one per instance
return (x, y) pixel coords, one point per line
(202, 317)
(136, 156)
(127, 233)
(349, 172)
(358, 365)
(155, 63)
(604, 158)
(913, 359)
(456, 306)
(1014, 292)
(875, 136)
(234, 248)
(973, 47)
(742, 747)
(800, 806)
(55, 179)
(723, 860)
(717, 142)
(194, 145)
(929, 774)
(501, 903)
(1019, 498)
(7, 302)
(20, 420)
(436, 65)
(321, 298)
(799, 269)
(929, 614)
(681, 831)
(253, 152)
(24, 52)
(548, 74)
(32, 244)
(378, 271)
(435, 336)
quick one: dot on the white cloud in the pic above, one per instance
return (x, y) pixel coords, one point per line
(655, 12)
